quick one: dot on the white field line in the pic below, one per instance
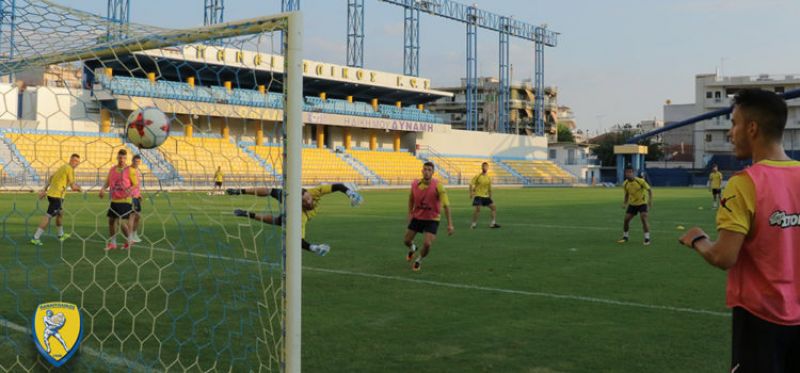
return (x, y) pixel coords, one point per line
(579, 298)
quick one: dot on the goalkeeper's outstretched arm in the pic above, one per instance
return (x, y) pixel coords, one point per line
(259, 192)
(319, 249)
(351, 191)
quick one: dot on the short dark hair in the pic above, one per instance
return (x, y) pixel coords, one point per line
(713, 165)
(764, 107)
(628, 167)
(74, 155)
(484, 163)
(429, 164)
(122, 152)
(135, 157)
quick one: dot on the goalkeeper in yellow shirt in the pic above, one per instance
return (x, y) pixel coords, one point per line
(310, 202)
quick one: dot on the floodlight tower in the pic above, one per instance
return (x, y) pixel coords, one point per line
(214, 12)
(119, 15)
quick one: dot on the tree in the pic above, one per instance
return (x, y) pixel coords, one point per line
(564, 134)
(606, 142)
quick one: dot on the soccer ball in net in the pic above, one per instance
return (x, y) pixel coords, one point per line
(147, 127)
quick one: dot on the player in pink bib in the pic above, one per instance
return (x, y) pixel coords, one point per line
(120, 182)
(424, 204)
(759, 239)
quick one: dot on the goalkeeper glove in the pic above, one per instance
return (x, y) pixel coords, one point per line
(241, 213)
(355, 198)
(321, 249)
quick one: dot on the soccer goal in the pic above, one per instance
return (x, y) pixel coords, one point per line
(175, 280)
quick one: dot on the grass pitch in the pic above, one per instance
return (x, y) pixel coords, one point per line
(551, 291)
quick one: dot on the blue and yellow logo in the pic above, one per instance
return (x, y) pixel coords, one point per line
(57, 331)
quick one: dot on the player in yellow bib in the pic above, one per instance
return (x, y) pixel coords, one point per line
(715, 184)
(55, 190)
(638, 200)
(480, 192)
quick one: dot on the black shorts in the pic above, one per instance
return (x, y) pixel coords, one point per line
(633, 210)
(54, 206)
(137, 204)
(482, 201)
(427, 226)
(761, 346)
(218, 183)
(716, 192)
(120, 210)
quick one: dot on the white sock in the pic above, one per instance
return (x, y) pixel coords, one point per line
(647, 236)
(474, 224)
(493, 222)
(38, 233)
(114, 239)
(413, 247)
(625, 234)
(60, 231)
(419, 259)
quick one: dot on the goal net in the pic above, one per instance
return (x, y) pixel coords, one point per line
(201, 289)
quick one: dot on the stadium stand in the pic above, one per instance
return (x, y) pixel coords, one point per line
(541, 172)
(196, 159)
(319, 165)
(120, 85)
(48, 152)
(394, 168)
(465, 168)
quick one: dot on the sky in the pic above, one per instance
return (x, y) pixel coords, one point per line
(617, 61)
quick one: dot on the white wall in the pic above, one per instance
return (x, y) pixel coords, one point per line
(9, 98)
(62, 109)
(458, 142)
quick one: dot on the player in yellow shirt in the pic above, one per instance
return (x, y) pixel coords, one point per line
(638, 200)
(480, 192)
(310, 204)
(218, 177)
(55, 191)
(715, 183)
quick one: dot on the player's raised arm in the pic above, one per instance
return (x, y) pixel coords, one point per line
(348, 189)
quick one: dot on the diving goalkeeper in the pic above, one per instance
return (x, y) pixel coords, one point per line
(310, 202)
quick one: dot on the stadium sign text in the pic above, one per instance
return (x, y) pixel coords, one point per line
(366, 122)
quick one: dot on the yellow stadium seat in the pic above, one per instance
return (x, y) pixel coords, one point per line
(46, 153)
(319, 165)
(540, 171)
(393, 167)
